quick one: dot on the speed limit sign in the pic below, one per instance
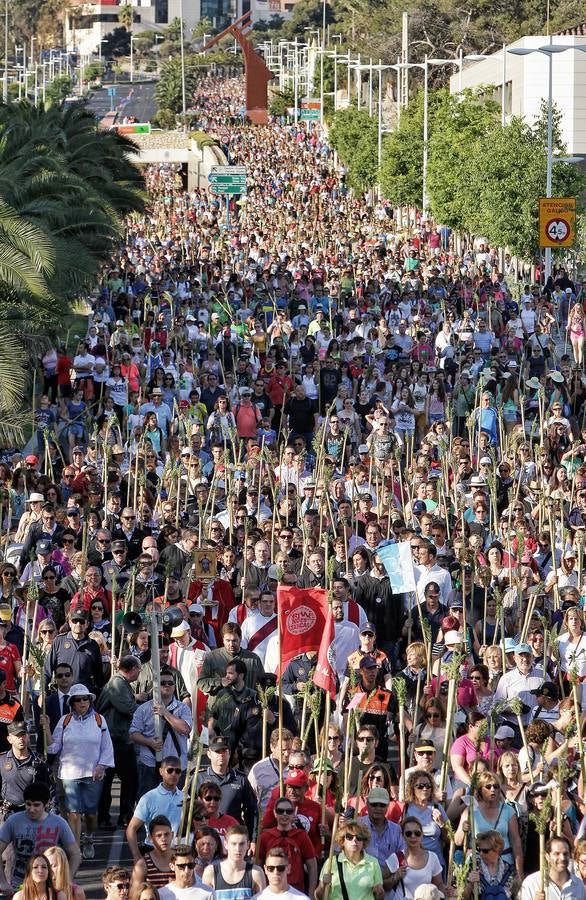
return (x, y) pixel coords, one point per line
(558, 230)
(557, 221)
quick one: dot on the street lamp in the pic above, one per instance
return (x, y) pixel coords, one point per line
(548, 50)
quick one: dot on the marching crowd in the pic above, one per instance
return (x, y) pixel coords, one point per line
(303, 404)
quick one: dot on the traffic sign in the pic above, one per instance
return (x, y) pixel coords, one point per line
(134, 128)
(557, 221)
(310, 110)
(111, 92)
(227, 179)
(228, 188)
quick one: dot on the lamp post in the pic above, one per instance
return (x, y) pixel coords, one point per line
(548, 50)
(183, 98)
(5, 81)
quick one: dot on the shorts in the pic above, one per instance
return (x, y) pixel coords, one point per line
(82, 795)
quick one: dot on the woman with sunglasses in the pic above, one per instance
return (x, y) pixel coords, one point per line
(360, 872)
(420, 802)
(210, 796)
(376, 776)
(431, 727)
(492, 813)
(53, 598)
(494, 876)
(99, 620)
(84, 745)
(421, 866)
(8, 583)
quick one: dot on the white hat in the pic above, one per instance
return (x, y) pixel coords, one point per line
(556, 376)
(453, 637)
(180, 630)
(533, 383)
(427, 892)
(35, 498)
(196, 608)
(80, 690)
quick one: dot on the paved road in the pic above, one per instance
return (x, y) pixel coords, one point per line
(111, 849)
(136, 100)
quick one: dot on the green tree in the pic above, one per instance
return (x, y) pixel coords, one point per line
(94, 71)
(58, 89)
(168, 93)
(116, 43)
(457, 123)
(126, 16)
(354, 135)
(505, 175)
(402, 162)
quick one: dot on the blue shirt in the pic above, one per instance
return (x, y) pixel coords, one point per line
(382, 845)
(160, 802)
(143, 721)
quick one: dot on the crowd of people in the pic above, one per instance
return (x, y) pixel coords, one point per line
(303, 396)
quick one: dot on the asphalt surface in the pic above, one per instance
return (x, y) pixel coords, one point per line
(136, 100)
(111, 849)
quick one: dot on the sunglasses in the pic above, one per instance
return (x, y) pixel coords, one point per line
(62, 674)
(368, 740)
(275, 868)
(173, 771)
(48, 631)
(423, 787)
(353, 837)
(484, 849)
(167, 683)
(293, 767)
(121, 885)
(284, 812)
(189, 865)
(210, 798)
(412, 833)
(79, 699)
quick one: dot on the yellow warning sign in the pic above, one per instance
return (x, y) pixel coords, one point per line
(557, 221)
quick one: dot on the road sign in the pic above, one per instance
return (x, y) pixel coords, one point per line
(557, 221)
(228, 170)
(310, 110)
(134, 128)
(227, 179)
(111, 92)
(228, 188)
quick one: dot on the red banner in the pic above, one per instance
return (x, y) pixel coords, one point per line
(303, 615)
(325, 672)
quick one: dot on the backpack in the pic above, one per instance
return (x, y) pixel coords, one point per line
(496, 891)
(69, 717)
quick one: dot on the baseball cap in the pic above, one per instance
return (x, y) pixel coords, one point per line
(523, 648)
(419, 508)
(422, 746)
(510, 645)
(31, 459)
(367, 662)
(17, 728)
(78, 449)
(156, 392)
(119, 545)
(547, 689)
(44, 547)
(297, 778)
(378, 795)
(486, 461)
(368, 628)
(196, 608)
(504, 732)
(183, 404)
(219, 743)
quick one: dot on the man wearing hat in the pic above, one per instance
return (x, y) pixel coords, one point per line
(117, 568)
(425, 754)
(19, 767)
(547, 706)
(376, 704)
(520, 683)
(367, 648)
(238, 799)
(45, 528)
(81, 652)
(307, 813)
(386, 837)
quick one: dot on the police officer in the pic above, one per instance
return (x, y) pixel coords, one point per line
(19, 767)
(297, 674)
(82, 653)
(118, 568)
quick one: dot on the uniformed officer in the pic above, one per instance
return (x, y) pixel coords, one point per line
(19, 767)
(118, 567)
(297, 674)
(82, 653)
(376, 706)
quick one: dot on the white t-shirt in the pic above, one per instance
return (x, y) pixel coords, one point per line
(414, 877)
(290, 894)
(172, 892)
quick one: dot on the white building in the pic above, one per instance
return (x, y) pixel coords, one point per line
(86, 24)
(526, 83)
